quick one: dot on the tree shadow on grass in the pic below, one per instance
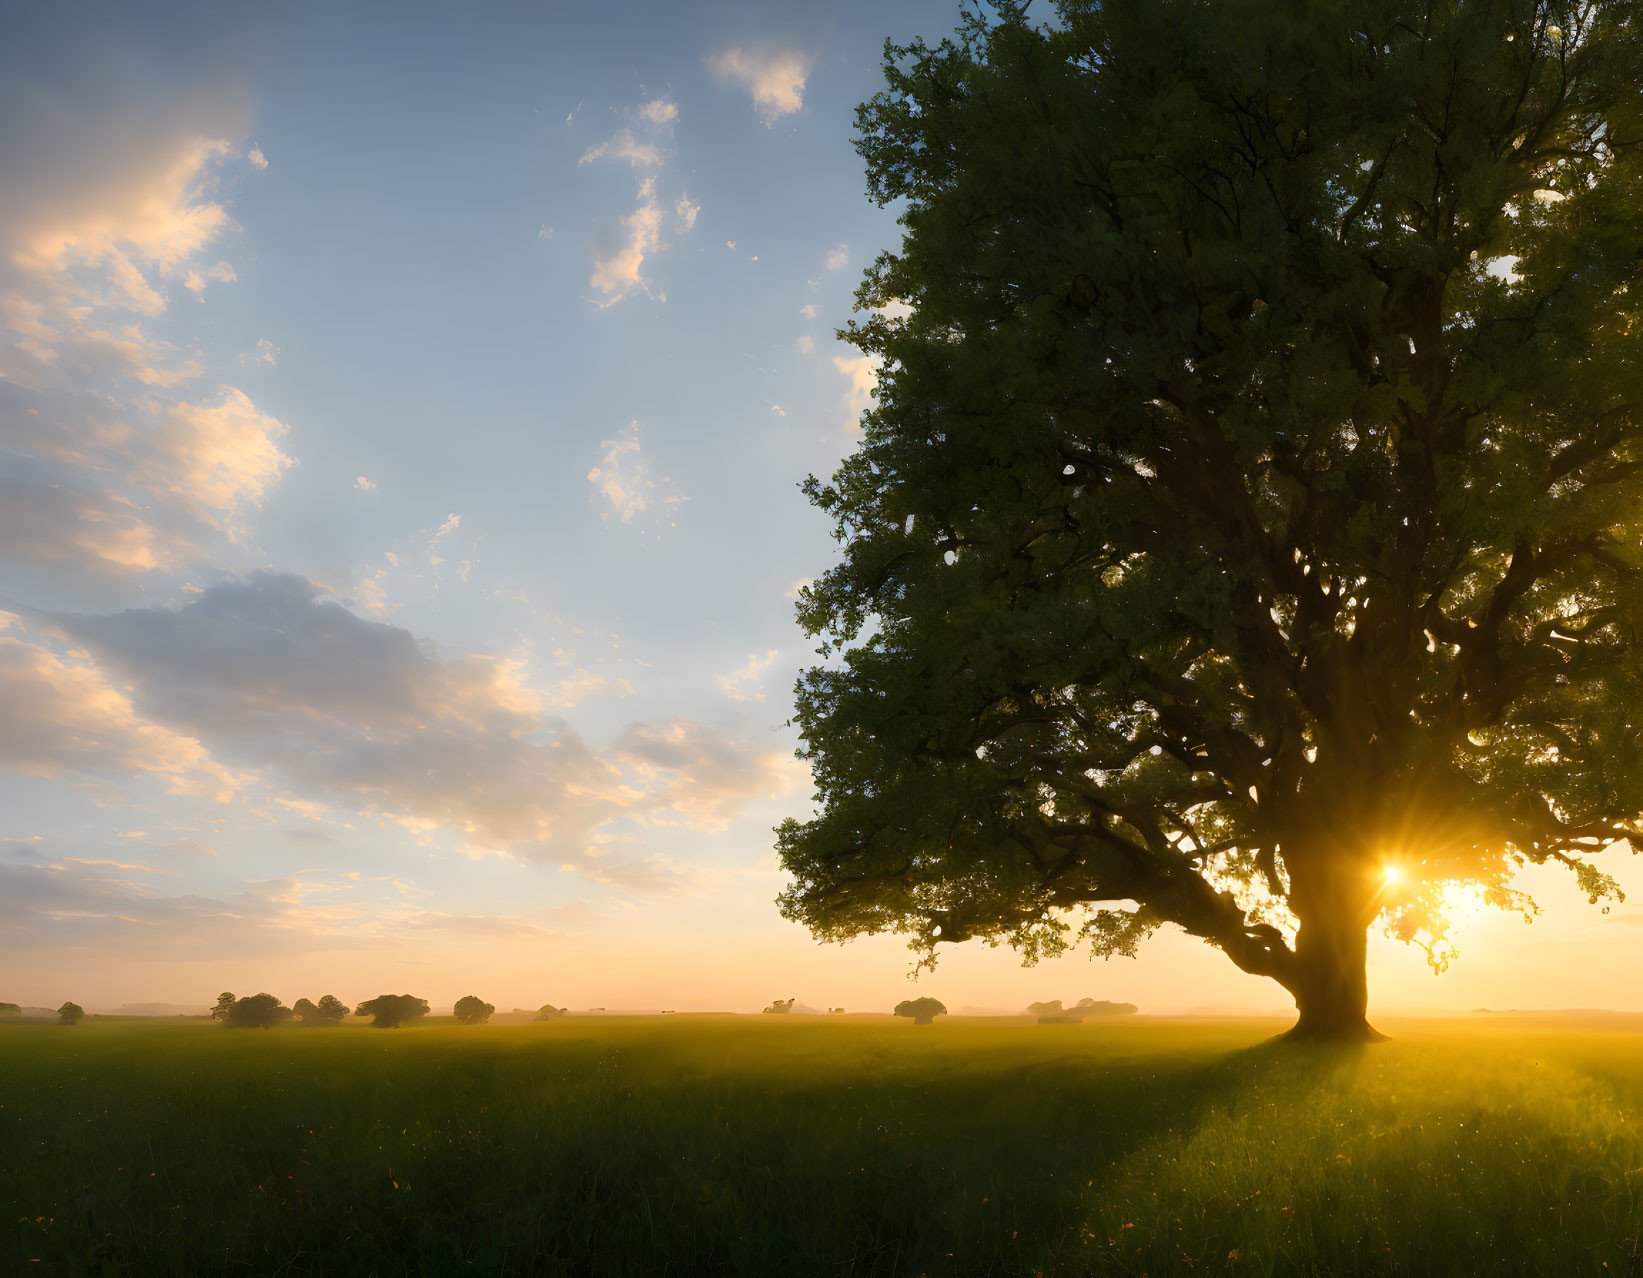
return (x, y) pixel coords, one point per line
(1438, 1159)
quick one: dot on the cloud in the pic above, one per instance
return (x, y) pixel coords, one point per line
(622, 145)
(274, 676)
(745, 682)
(863, 372)
(116, 470)
(805, 345)
(50, 520)
(623, 478)
(658, 111)
(259, 161)
(808, 309)
(620, 273)
(219, 457)
(838, 257)
(686, 210)
(702, 775)
(621, 251)
(778, 410)
(66, 721)
(775, 80)
(265, 353)
(365, 485)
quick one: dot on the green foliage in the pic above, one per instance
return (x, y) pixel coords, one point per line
(923, 1010)
(70, 1014)
(330, 1010)
(390, 1011)
(256, 1011)
(1251, 497)
(810, 1147)
(548, 1012)
(225, 1004)
(1084, 1009)
(472, 1010)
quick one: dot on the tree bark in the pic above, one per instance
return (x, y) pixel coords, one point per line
(1331, 955)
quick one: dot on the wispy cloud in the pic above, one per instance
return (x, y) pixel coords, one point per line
(838, 257)
(745, 683)
(624, 481)
(619, 259)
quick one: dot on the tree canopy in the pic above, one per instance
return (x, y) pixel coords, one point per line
(10, 1009)
(330, 1010)
(923, 1010)
(1245, 534)
(548, 1012)
(256, 1011)
(225, 1003)
(70, 1014)
(472, 1010)
(390, 1011)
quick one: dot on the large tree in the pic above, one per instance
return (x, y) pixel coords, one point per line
(1245, 535)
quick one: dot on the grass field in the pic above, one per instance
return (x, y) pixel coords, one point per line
(811, 1145)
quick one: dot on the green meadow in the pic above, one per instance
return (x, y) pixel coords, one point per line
(820, 1146)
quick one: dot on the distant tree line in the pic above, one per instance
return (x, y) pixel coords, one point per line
(1085, 1009)
(387, 1011)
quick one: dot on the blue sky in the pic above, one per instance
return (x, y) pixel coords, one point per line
(401, 414)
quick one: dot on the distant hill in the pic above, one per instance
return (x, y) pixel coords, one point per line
(158, 1009)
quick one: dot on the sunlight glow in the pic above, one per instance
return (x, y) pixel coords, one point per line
(1391, 874)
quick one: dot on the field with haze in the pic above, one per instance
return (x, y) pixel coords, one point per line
(810, 1145)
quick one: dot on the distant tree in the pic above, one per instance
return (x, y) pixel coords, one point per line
(305, 1011)
(332, 1010)
(1089, 1007)
(10, 1009)
(834, 1011)
(1052, 1008)
(225, 1002)
(922, 1010)
(390, 1011)
(70, 1014)
(781, 1005)
(473, 1010)
(256, 1011)
(1243, 535)
(548, 1012)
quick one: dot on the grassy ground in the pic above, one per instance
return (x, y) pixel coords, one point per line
(811, 1146)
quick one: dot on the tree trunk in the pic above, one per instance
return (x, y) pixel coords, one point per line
(1331, 952)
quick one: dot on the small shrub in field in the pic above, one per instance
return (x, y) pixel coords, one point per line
(781, 1005)
(548, 1012)
(473, 1010)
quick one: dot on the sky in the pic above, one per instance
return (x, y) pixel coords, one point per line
(401, 418)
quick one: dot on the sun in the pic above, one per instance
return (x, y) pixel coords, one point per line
(1391, 875)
